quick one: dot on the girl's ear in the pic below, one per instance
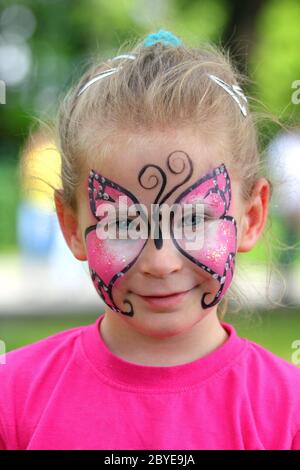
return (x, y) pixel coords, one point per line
(255, 216)
(68, 222)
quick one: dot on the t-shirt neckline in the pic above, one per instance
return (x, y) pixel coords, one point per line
(122, 372)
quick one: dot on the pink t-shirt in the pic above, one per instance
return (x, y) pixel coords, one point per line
(69, 391)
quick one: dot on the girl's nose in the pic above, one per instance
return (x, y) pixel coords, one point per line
(160, 262)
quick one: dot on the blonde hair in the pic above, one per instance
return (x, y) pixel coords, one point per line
(163, 87)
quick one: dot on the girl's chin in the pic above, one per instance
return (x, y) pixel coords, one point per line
(164, 324)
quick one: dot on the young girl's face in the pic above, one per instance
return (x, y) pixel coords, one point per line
(144, 256)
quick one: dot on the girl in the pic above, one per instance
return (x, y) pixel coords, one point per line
(161, 189)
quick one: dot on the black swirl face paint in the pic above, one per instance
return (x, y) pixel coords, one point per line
(109, 260)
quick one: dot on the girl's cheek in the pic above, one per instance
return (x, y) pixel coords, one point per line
(218, 247)
(109, 258)
(215, 245)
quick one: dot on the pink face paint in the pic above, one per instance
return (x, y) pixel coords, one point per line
(109, 260)
(217, 255)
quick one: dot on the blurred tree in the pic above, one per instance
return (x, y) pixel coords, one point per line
(275, 61)
(239, 34)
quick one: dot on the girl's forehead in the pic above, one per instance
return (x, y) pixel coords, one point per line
(167, 154)
(152, 181)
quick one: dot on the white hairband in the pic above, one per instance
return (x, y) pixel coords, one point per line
(105, 73)
(234, 91)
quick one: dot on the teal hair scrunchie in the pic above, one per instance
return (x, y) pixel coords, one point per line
(164, 37)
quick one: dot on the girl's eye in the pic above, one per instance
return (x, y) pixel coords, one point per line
(124, 227)
(193, 219)
(121, 224)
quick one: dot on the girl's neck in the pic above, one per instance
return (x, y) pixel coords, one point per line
(133, 346)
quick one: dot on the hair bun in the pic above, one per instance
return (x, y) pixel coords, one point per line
(163, 37)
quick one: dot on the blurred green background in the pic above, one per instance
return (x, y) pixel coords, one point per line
(45, 46)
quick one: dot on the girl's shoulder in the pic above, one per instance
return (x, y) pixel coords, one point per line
(269, 371)
(265, 358)
(262, 362)
(28, 377)
(43, 354)
(272, 387)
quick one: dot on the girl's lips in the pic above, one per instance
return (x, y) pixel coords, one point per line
(168, 301)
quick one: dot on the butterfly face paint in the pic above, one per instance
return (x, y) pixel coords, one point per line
(109, 260)
(217, 255)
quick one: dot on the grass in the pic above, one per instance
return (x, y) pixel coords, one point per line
(274, 330)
